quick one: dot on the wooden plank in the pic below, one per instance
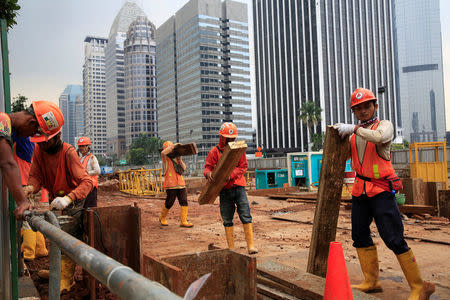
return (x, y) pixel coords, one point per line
(417, 209)
(335, 153)
(183, 150)
(444, 204)
(432, 192)
(226, 164)
(414, 190)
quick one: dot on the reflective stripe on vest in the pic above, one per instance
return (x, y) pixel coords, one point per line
(85, 163)
(373, 166)
(172, 178)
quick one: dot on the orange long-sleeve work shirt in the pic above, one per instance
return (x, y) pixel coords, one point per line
(44, 172)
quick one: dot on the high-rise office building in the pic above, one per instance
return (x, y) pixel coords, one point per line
(140, 80)
(203, 70)
(94, 92)
(79, 116)
(319, 51)
(67, 102)
(115, 78)
(420, 70)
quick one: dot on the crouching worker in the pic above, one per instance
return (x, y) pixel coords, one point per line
(232, 196)
(174, 185)
(57, 168)
(373, 196)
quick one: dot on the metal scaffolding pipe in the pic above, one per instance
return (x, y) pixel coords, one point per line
(55, 261)
(118, 278)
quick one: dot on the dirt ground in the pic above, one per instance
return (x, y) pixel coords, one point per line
(286, 241)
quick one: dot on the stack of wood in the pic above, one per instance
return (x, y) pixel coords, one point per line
(182, 150)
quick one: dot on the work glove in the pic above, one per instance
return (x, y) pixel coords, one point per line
(60, 203)
(28, 190)
(344, 129)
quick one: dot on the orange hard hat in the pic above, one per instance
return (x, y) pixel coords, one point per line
(84, 141)
(50, 119)
(228, 130)
(167, 144)
(361, 95)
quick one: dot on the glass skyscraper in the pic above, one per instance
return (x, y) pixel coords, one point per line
(319, 51)
(420, 70)
(67, 102)
(203, 70)
(140, 80)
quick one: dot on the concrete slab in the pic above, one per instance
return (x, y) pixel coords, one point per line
(394, 284)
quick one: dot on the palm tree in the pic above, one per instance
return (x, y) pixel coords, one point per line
(310, 115)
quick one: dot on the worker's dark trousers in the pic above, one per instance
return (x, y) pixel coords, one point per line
(384, 210)
(231, 200)
(172, 194)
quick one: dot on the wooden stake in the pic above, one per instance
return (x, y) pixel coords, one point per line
(226, 164)
(335, 153)
(183, 149)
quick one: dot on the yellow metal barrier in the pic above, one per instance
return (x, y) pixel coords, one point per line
(435, 171)
(141, 182)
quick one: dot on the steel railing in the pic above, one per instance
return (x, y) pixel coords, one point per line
(118, 278)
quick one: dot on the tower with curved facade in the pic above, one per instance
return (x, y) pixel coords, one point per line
(140, 80)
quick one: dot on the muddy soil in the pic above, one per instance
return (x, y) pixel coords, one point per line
(276, 237)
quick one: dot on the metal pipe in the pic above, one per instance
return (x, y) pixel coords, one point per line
(119, 279)
(55, 261)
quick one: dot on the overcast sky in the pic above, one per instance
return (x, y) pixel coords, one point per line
(46, 45)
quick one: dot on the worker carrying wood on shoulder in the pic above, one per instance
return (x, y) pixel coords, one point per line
(56, 167)
(174, 185)
(373, 196)
(90, 163)
(232, 196)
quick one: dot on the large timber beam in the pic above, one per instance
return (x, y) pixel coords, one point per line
(335, 153)
(226, 164)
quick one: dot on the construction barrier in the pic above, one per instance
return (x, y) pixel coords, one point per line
(141, 182)
(429, 171)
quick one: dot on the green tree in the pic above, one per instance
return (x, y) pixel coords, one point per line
(150, 145)
(310, 115)
(137, 156)
(317, 141)
(18, 103)
(8, 11)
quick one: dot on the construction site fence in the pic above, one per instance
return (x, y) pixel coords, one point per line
(141, 182)
(195, 166)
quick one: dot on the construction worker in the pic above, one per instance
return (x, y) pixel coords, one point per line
(373, 195)
(174, 185)
(23, 123)
(56, 167)
(33, 242)
(90, 163)
(233, 195)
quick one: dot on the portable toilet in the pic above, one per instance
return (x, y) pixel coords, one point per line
(304, 168)
(269, 179)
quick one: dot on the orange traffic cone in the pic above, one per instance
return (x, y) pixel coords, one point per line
(337, 284)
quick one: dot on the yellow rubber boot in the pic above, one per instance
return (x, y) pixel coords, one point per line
(183, 217)
(229, 233)
(28, 244)
(368, 259)
(248, 230)
(162, 217)
(419, 289)
(67, 271)
(41, 249)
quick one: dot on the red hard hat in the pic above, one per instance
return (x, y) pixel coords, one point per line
(167, 144)
(228, 130)
(84, 141)
(50, 119)
(361, 95)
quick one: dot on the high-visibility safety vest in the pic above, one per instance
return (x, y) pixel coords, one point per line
(171, 178)
(63, 184)
(85, 163)
(373, 166)
(24, 166)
